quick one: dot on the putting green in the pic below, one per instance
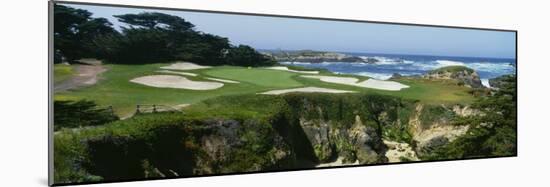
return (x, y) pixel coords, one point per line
(260, 77)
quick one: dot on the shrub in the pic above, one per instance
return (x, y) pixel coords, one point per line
(83, 113)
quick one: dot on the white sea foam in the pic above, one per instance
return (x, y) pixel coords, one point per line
(443, 63)
(499, 68)
(492, 67)
(295, 63)
(485, 82)
(390, 61)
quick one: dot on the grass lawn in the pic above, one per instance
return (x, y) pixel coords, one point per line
(114, 88)
(62, 72)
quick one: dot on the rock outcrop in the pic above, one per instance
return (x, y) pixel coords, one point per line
(500, 82)
(400, 152)
(358, 143)
(316, 57)
(465, 76)
(436, 133)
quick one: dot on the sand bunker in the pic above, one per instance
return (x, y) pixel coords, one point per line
(177, 72)
(284, 68)
(334, 79)
(221, 80)
(184, 66)
(306, 90)
(370, 83)
(382, 85)
(173, 81)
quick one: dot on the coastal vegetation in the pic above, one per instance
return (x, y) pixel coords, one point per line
(491, 134)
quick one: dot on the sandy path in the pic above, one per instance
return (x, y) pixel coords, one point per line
(177, 73)
(184, 66)
(306, 90)
(173, 81)
(370, 83)
(284, 68)
(85, 75)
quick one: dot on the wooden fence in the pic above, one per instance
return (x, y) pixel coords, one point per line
(148, 108)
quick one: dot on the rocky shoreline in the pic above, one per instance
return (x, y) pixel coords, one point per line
(316, 57)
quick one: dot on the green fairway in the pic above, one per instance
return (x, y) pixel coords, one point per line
(62, 72)
(115, 89)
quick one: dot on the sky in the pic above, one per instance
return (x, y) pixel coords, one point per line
(262, 32)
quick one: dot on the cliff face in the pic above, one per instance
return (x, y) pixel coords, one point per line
(356, 144)
(196, 148)
(430, 133)
(310, 130)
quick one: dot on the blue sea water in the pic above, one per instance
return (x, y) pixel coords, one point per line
(407, 65)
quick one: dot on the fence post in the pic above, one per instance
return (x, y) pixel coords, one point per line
(137, 109)
(154, 108)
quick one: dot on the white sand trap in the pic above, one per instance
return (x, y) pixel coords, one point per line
(306, 90)
(184, 66)
(333, 79)
(222, 80)
(284, 68)
(370, 83)
(173, 81)
(177, 72)
(382, 85)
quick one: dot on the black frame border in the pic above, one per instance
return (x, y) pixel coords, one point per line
(50, 88)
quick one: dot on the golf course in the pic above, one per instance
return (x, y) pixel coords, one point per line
(115, 88)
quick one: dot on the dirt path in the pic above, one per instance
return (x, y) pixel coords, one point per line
(85, 75)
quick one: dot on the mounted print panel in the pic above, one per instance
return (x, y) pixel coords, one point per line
(142, 93)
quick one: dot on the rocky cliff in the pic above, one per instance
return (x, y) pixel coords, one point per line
(306, 131)
(464, 76)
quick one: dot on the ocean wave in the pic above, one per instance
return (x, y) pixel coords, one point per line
(492, 67)
(296, 63)
(495, 67)
(386, 60)
(391, 61)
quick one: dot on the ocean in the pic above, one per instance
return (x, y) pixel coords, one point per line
(408, 65)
